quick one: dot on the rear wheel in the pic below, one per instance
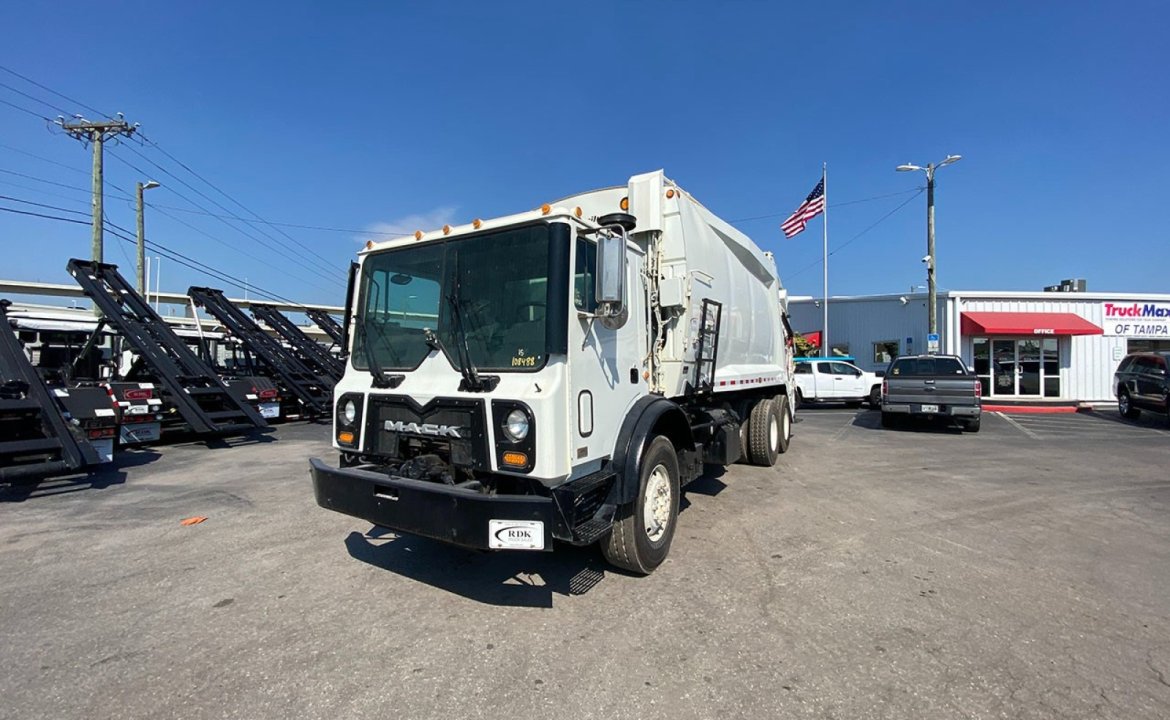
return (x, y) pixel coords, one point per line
(641, 537)
(1125, 406)
(764, 434)
(799, 399)
(972, 425)
(875, 398)
(785, 414)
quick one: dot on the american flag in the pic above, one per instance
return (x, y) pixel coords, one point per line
(812, 206)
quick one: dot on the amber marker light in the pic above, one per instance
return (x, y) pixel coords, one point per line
(577, 212)
(418, 234)
(369, 244)
(669, 193)
(476, 223)
(515, 459)
(545, 209)
(345, 437)
(446, 229)
(625, 203)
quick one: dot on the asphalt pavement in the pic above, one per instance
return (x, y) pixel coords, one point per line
(1021, 572)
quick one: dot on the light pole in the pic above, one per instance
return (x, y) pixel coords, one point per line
(931, 286)
(139, 187)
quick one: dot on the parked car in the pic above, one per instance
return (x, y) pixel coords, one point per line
(932, 386)
(1141, 383)
(820, 380)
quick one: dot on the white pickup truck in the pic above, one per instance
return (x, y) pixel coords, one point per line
(820, 380)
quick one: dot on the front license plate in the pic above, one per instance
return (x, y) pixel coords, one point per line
(515, 534)
(930, 408)
(270, 410)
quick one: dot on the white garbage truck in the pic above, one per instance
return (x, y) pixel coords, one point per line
(558, 375)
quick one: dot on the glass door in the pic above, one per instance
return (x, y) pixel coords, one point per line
(1018, 366)
(1003, 356)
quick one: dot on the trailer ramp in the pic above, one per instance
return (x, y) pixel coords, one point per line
(35, 440)
(328, 325)
(313, 390)
(315, 355)
(194, 388)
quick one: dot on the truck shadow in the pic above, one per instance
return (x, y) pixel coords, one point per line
(514, 579)
(873, 421)
(102, 477)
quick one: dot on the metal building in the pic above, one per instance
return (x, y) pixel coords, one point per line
(1050, 346)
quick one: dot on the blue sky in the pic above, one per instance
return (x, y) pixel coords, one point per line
(397, 116)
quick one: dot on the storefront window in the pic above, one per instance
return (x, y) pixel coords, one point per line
(981, 354)
(1051, 368)
(839, 350)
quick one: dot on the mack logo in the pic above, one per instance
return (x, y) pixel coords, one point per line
(423, 429)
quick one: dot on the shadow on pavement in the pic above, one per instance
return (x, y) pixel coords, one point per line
(1147, 420)
(934, 426)
(518, 579)
(101, 477)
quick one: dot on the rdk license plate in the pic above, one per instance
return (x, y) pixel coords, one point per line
(515, 534)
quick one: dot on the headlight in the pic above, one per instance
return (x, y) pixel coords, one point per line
(349, 412)
(516, 424)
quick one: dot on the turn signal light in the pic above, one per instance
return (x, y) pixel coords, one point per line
(515, 459)
(545, 209)
(345, 437)
(625, 203)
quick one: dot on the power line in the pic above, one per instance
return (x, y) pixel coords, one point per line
(42, 205)
(285, 224)
(843, 245)
(25, 110)
(87, 191)
(166, 252)
(832, 205)
(51, 90)
(45, 159)
(229, 197)
(280, 252)
(34, 98)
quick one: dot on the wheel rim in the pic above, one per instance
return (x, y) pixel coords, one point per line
(657, 504)
(1123, 401)
(773, 432)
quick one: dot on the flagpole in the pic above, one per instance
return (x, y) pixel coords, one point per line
(826, 349)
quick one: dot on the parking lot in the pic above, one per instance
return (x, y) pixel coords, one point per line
(1021, 572)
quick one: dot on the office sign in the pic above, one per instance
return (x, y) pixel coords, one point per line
(1136, 319)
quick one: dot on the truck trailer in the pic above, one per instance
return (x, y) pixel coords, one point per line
(559, 374)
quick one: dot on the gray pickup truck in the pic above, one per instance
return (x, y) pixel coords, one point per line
(931, 386)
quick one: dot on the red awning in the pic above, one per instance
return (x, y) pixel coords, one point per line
(813, 337)
(1026, 323)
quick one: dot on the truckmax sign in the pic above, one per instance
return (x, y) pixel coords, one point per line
(1137, 319)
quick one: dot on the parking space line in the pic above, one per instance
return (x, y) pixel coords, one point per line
(1018, 426)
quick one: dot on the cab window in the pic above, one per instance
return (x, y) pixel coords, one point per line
(584, 276)
(803, 369)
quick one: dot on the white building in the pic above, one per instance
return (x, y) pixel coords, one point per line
(1052, 346)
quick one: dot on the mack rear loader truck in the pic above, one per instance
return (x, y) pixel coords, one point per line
(558, 375)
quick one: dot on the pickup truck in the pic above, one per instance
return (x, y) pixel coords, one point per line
(931, 386)
(820, 380)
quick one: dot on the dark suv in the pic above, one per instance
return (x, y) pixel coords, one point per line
(1141, 383)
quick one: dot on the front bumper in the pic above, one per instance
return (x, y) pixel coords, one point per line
(442, 512)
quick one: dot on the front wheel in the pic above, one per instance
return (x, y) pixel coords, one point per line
(1125, 406)
(641, 537)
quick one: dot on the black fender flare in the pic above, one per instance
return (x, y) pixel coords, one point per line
(631, 442)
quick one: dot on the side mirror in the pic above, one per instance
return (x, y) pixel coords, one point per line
(611, 263)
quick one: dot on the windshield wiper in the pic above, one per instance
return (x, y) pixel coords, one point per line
(381, 379)
(472, 381)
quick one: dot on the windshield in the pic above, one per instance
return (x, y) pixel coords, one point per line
(497, 282)
(927, 367)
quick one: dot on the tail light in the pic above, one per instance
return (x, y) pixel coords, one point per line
(101, 433)
(268, 394)
(978, 388)
(885, 387)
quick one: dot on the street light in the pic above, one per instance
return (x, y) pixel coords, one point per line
(930, 259)
(140, 187)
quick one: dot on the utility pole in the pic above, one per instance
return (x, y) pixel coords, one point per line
(931, 285)
(96, 134)
(139, 188)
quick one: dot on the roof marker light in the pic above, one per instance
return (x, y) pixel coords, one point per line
(446, 229)
(418, 234)
(369, 244)
(545, 209)
(669, 193)
(476, 223)
(577, 211)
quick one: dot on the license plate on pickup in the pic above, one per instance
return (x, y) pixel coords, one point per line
(930, 408)
(270, 410)
(516, 534)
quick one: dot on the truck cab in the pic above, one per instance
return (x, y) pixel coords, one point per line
(557, 375)
(836, 379)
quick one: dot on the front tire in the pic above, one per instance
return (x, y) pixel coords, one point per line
(641, 537)
(1125, 406)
